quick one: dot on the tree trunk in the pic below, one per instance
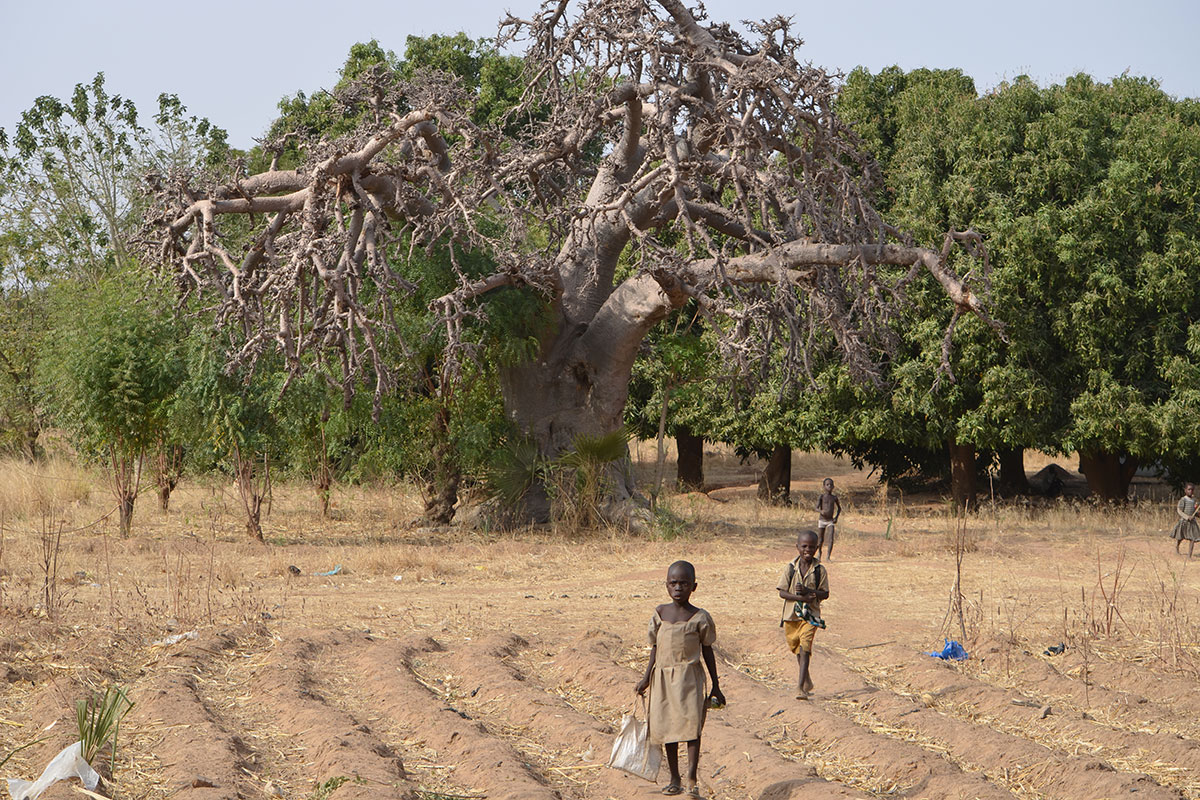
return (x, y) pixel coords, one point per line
(125, 512)
(254, 487)
(1108, 474)
(576, 387)
(1013, 480)
(775, 486)
(323, 473)
(690, 462)
(442, 489)
(962, 475)
(168, 467)
(30, 448)
(126, 470)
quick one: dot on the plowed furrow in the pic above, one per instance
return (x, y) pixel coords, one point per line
(341, 754)
(1132, 698)
(574, 744)
(481, 761)
(172, 716)
(907, 707)
(1169, 759)
(833, 746)
(736, 762)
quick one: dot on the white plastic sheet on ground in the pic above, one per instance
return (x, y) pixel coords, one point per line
(67, 764)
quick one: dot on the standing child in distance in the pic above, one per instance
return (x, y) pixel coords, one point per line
(1186, 527)
(803, 585)
(828, 511)
(681, 635)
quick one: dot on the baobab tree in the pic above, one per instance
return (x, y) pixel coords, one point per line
(654, 160)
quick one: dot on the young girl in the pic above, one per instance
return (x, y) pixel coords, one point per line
(1186, 527)
(681, 635)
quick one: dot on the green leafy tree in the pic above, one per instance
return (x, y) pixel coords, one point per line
(110, 370)
(232, 419)
(646, 134)
(73, 195)
(1086, 193)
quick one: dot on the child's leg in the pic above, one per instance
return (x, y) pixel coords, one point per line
(672, 749)
(829, 532)
(820, 539)
(802, 680)
(693, 748)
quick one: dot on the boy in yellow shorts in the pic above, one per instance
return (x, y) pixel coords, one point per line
(803, 585)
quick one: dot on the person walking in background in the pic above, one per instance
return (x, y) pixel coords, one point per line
(828, 511)
(1186, 527)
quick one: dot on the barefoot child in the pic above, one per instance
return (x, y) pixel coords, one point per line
(1186, 527)
(681, 635)
(828, 511)
(803, 585)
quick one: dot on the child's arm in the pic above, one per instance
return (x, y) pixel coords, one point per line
(837, 505)
(644, 683)
(802, 595)
(710, 661)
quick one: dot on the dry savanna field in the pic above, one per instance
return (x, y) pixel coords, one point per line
(451, 663)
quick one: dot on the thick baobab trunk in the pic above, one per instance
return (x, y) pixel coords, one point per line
(962, 475)
(1108, 474)
(690, 462)
(775, 486)
(577, 387)
(1013, 480)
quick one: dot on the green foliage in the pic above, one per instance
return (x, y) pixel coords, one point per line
(667, 525)
(112, 367)
(23, 314)
(1087, 195)
(99, 722)
(515, 468)
(223, 408)
(326, 788)
(579, 477)
(18, 749)
(72, 179)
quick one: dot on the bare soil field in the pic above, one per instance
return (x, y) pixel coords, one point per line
(451, 663)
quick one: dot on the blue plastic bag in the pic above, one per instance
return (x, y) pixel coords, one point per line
(953, 651)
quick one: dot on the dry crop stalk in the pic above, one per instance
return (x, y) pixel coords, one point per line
(51, 542)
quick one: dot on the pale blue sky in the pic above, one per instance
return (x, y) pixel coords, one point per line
(232, 61)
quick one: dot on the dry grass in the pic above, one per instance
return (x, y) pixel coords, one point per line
(1031, 576)
(47, 487)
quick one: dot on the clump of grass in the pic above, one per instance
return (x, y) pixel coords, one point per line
(668, 525)
(328, 787)
(99, 720)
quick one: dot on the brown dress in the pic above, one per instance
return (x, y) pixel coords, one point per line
(678, 686)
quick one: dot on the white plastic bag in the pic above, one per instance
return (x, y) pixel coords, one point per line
(632, 751)
(67, 764)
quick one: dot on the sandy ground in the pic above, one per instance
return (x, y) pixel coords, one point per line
(447, 664)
